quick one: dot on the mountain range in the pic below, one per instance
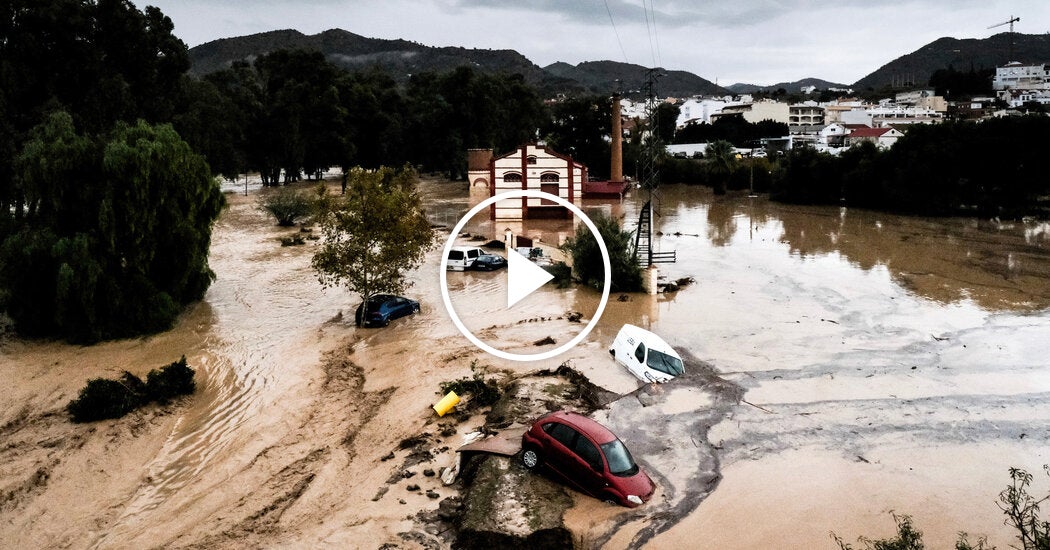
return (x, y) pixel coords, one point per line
(402, 58)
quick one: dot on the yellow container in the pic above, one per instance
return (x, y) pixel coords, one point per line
(446, 403)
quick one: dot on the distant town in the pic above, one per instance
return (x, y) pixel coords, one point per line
(836, 125)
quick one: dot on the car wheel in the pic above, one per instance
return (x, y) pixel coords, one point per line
(531, 458)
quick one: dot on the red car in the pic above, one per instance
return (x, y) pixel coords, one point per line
(588, 456)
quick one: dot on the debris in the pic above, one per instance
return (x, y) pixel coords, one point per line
(412, 487)
(746, 402)
(428, 472)
(545, 341)
(450, 400)
(574, 316)
(432, 494)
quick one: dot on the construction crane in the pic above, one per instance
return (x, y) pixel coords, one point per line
(1010, 22)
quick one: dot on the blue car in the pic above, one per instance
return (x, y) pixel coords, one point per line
(489, 262)
(383, 308)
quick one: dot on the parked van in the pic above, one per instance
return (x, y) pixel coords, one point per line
(460, 258)
(646, 355)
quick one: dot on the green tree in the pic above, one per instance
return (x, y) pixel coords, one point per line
(374, 233)
(287, 205)
(721, 158)
(115, 233)
(100, 61)
(587, 263)
(579, 127)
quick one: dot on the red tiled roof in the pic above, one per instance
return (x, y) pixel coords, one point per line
(868, 132)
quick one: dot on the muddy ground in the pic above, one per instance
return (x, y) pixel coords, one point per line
(820, 397)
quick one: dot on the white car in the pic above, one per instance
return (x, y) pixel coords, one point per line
(646, 355)
(461, 258)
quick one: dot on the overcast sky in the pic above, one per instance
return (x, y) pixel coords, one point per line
(752, 41)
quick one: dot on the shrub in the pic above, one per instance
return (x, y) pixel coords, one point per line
(587, 262)
(102, 398)
(287, 205)
(483, 392)
(170, 381)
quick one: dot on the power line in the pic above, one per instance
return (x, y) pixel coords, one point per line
(649, 29)
(613, 23)
(656, 36)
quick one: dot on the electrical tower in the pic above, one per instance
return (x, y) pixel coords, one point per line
(651, 150)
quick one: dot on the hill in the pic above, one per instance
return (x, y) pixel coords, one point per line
(350, 51)
(602, 77)
(402, 58)
(790, 87)
(915, 69)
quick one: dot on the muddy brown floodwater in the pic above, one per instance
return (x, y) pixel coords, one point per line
(855, 364)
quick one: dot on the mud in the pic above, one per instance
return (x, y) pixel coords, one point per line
(881, 363)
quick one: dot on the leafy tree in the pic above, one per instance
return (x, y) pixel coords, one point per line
(115, 232)
(1022, 511)
(374, 233)
(721, 158)
(101, 61)
(469, 109)
(587, 261)
(579, 127)
(287, 205)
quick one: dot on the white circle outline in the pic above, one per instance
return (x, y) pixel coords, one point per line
(444, 276)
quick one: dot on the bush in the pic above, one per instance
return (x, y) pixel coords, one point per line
(483, 392)
(587, 262)
(102, 398)
(171, 381)
(287, 205)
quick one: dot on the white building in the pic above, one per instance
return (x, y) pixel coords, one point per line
(1015, 76)
(534, 167)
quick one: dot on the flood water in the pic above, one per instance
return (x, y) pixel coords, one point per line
(885, 363)
(889, 364)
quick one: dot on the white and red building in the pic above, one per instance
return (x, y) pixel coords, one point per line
(531, 167)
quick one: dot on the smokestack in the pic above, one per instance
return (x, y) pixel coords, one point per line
(616, 170)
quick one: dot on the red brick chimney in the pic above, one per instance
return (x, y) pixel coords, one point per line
(616, 170)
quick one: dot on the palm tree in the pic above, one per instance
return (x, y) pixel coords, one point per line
(721, 157)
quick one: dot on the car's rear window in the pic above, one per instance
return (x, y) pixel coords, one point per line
(621, 463)
(455, 255)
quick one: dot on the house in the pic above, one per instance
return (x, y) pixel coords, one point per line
(883, 138)
(1015, 76)
(805, 118)
(534, 167)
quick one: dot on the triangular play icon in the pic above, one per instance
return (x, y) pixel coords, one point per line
(523, 277)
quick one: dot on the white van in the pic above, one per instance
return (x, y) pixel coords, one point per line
(460, 258)
(646, 355)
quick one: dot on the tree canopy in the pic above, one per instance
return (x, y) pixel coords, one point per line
(113, 239)
(374, 233)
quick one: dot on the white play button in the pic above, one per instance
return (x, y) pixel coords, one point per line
(523, 277)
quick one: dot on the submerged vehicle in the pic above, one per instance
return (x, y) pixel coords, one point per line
(489, 262)
(586, 455)
(383, 308)
(646, 355)
(461, 258)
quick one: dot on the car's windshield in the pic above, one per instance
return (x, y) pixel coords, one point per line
(621, 463)
(665, 363)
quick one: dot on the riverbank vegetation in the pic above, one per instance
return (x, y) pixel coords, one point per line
(103, 398)
(991, 168)
(1019, 506)
(587, 263)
